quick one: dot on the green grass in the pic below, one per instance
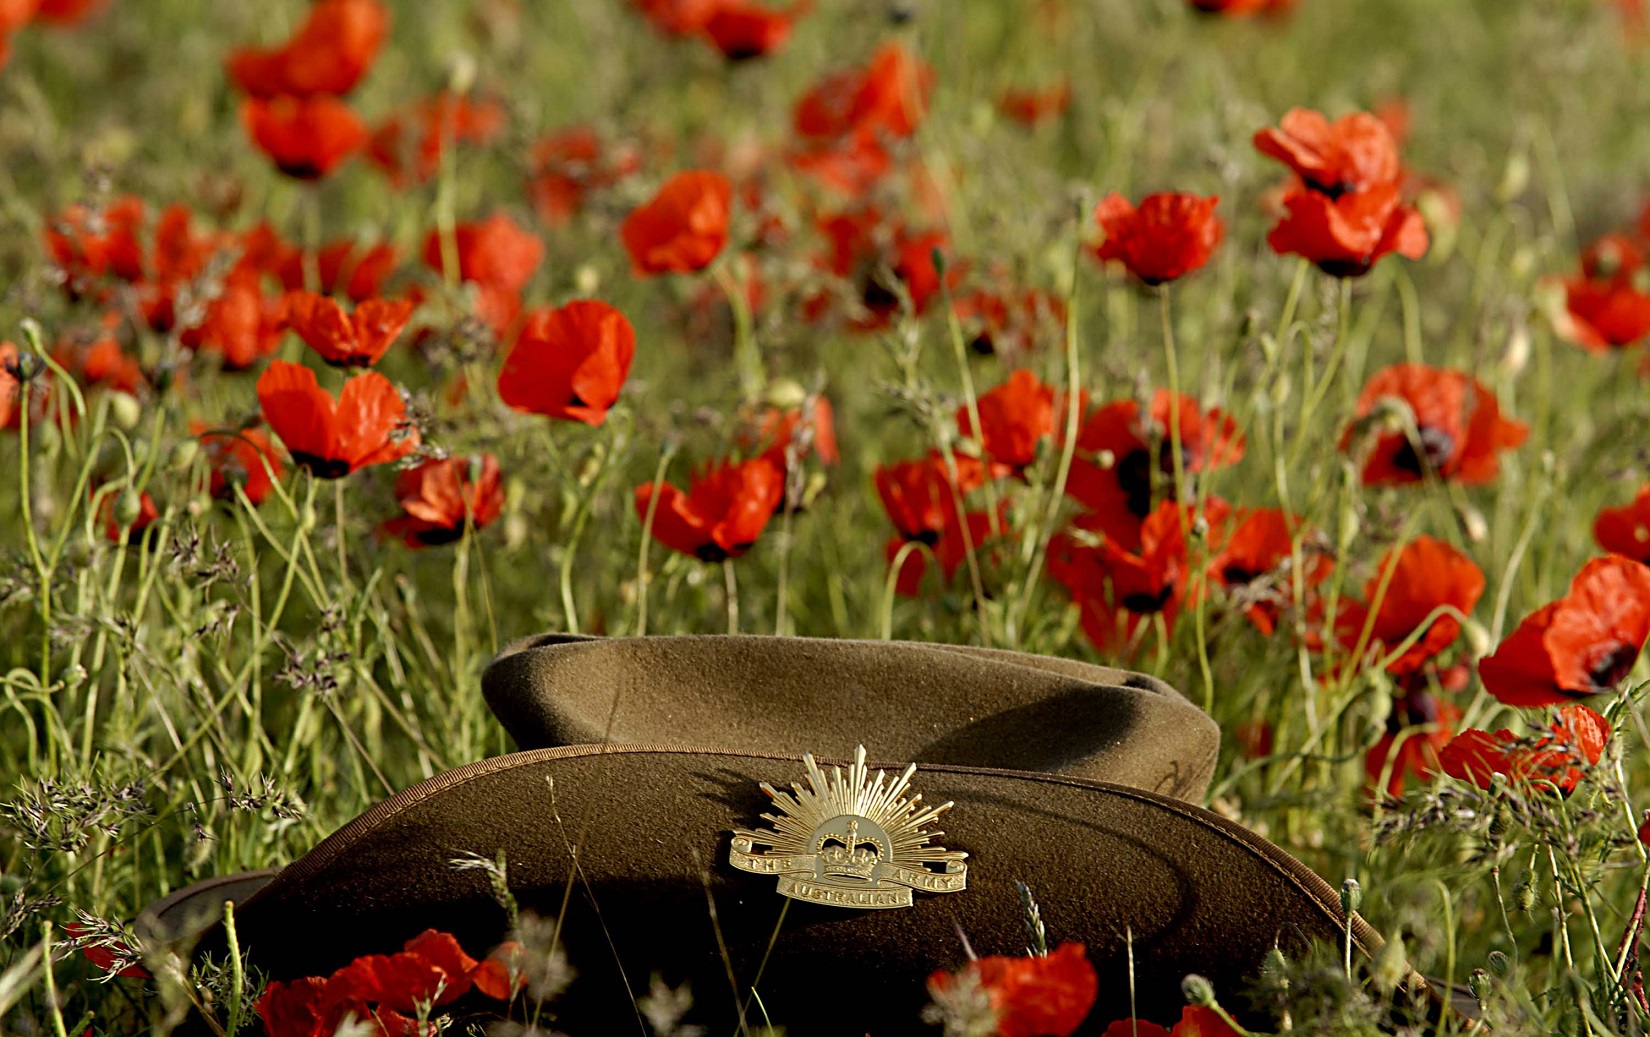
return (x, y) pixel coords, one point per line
(227, 695)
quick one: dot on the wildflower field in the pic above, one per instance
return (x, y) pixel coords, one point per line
(1287, 350)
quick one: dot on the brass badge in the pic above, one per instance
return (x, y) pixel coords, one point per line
(850, 841)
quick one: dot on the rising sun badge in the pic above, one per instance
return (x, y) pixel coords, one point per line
(850, 840)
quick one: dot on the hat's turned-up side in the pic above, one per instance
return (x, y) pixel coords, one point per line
(929, 703)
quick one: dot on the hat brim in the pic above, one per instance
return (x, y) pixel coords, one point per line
(930, 703)
(1126, 872)
(189, 911)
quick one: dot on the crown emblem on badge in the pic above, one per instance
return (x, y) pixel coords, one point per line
(851, 840)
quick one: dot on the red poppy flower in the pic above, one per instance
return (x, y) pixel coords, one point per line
(920, 496)
(678, 17)
(1032, 106)
(742, 31)
(239, 457)
(440, 497)
(1583, 644)
(365, 425)
(1014, 418)
(105, 955)
(568, 165)
(683, 228)
(723, 512)
(1626, 530)
(1243, 9)
(866, 252)
(1459, 428)
(21, 378)
(431, 970)
(1418, 728)
(14, 14)
(306, 138)
(1046, 995)
(1008, 322)
(1169, 236)
(343, 339)
(1117, 589)
(1607, 306)
(921, 499)
(1113, 472)
(499, 258)
(68, 12)
(1578, 737)
(1253, 565)
(1195, 1021)
(1353, 154)
(569, 363)
(408, 147)
(343, 267)
(329, 53)
(1421, 576)
(101, 361)
(88, 245)
(241, 324)
(1346, 235)
(889, 96)
(801, 432)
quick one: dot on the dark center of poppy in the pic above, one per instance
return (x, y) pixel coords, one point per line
(877, 296)
(1345, 267)
(1143, 602)
(1333, 190)
(711, 551)
(1610, 664)
(320, 467)
(982, 345)
(925, 536)
(438, 535)
(1436, 447)
(1134, 475)
(743, 51)
(1238, 576)
(301, 169)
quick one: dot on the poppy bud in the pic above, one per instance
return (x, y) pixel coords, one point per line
(1479, 984)
(307, 519)
(1197, 990)
(1517, 355)
(1524, 895)
(1352, 896)
(125, 410)
(1499, 964)
(1473, 524)
(128, 506)
(184, 454)
(1514, 178)
(1275, 968)
(73, 677)
(586, 279)
(786, 394)
(463, 74)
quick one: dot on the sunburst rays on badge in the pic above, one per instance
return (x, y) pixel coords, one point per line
(850, 840)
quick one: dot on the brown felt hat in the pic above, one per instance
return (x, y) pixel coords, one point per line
(930, 703)
(1110, 867)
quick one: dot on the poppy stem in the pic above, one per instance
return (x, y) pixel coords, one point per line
(1172, 360)
(311, 201)
(338, 519)
(745, 352)
(731, 584)
(644, 578)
